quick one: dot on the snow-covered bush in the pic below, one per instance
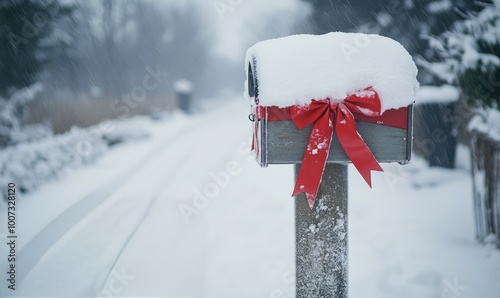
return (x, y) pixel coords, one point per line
(34, 162)
(11, 111)
(31, 155)
(31, 163)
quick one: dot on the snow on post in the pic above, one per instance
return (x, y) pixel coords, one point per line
(183, 89)
(320, 102)
(183, 86)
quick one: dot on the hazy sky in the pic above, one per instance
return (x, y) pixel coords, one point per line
(228, 27)
(234, 25)
(240, 23)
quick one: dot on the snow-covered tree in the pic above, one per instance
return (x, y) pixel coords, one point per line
(408, 21)
(25, 26)
(469, 56)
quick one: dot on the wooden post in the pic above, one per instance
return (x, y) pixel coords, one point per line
(321, 237)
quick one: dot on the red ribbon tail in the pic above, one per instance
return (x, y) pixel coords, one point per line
(354, 146)
(367, 167)
(314, 161)
(311, 197)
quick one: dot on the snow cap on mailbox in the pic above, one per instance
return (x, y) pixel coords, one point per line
(297, 69)
(333, 98)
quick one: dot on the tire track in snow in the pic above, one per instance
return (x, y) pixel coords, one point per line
(179, 242)
(34, 250)
(66, 221)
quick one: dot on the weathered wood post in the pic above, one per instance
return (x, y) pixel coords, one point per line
(485, 156)
(311, 118)
(321, 237)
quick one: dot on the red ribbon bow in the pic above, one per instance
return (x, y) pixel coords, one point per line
(328, 115)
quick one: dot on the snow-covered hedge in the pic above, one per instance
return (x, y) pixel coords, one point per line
(11, 112)
(31, 163)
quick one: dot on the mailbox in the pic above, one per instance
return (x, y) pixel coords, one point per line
(281, 142)
(337, 98)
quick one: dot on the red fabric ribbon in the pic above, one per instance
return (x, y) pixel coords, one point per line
(327, 116)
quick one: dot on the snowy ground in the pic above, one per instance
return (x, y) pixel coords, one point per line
(188, 213)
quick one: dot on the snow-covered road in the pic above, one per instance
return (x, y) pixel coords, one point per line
(188, 213)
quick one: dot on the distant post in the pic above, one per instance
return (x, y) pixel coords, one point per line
(184, 90)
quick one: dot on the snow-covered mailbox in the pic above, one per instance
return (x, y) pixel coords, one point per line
(344, 83)
(331, 99)
(184, 89)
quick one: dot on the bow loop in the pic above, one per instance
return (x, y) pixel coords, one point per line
(328, 115)
(366, 102)
(306, 115)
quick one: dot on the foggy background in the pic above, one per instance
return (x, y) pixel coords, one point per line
(124, 135)
(90, 55)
